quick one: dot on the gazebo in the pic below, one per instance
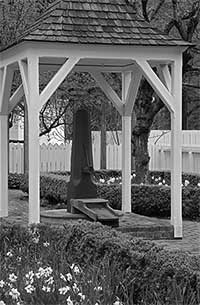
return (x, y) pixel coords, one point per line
(93, 36)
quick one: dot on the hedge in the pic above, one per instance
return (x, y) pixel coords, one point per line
(153, 178)
(148, 200)
(147, 268)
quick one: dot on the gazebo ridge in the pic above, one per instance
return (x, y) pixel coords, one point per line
(92, 36)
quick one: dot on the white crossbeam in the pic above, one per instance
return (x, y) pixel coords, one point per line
(57, 79)
(156, 84)
(132, 91)
(6, 83)
(109, 92)
(15, 98)
(165, 76)
(23, 66)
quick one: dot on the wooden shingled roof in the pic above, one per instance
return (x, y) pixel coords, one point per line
(95, 22)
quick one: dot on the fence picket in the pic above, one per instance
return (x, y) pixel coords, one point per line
(58, 157)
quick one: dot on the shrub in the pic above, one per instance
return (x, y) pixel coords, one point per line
(148, 200)
(14, 180)
(153, 200)
(143, 272)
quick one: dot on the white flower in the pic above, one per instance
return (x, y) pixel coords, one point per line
(2, 303)
(30, 275)
(134, 175)
(99, 288)
(29, 288)
(50, 281)
(19, 259)
(75, 268)
(102, 180)
(40, 272)
(35, 240)
(46, 244)
(48, 271)
(118, 302)
(9, 254)
(12, 277)
(160, 183)
(69, 301)
(63, 277)
(198, 184)
(186, 182)
(69, 276)
(44, 272)
(75, 288)
(64, 290)
(163, 181)
(46, 288)
(14, 293)
(82, 296)
(2, 283)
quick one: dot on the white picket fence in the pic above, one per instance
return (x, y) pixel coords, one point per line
(57, 157)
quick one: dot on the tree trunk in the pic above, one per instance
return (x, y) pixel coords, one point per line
(103, 136)
(140, 135)
(146, 107)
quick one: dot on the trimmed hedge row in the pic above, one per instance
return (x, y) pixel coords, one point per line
(153, 177)
(149, 200)
(166, 277)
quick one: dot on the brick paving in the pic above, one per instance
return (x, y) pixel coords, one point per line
(18, 213)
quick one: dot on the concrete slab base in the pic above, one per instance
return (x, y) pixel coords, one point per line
(133, 224)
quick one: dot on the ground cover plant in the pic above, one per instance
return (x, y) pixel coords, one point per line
(87, 263)
(151, 199)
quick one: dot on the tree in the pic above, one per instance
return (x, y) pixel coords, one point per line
(174, 17)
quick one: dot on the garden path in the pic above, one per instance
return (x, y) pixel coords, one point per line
(18, 213)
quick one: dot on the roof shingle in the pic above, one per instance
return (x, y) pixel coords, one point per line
(95, 22)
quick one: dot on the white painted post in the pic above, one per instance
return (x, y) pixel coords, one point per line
(6, 76)
(126, 145)
(126, 163)
(34, 148)
(3, 165)
(176, 149)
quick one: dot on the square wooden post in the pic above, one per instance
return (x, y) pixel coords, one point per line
(30, 78)
(6, 76)
(126, 144)
(126, 163)
(3, 165)
(176, 149)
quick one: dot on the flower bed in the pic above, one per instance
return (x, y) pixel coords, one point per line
(92, 265)
(149, 200)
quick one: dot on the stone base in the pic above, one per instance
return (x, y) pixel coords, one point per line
(133, 224)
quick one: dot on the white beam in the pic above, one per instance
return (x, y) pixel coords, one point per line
(165, 76)
(34, 149)
(2, 85)
(15, 98)
(6, 83)
(176, 136)
(135, 79)
(57, 79)
(3, 165)
(5, 87)
(23, 66)
(156, 84)
(109, 92)
(126, 163)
